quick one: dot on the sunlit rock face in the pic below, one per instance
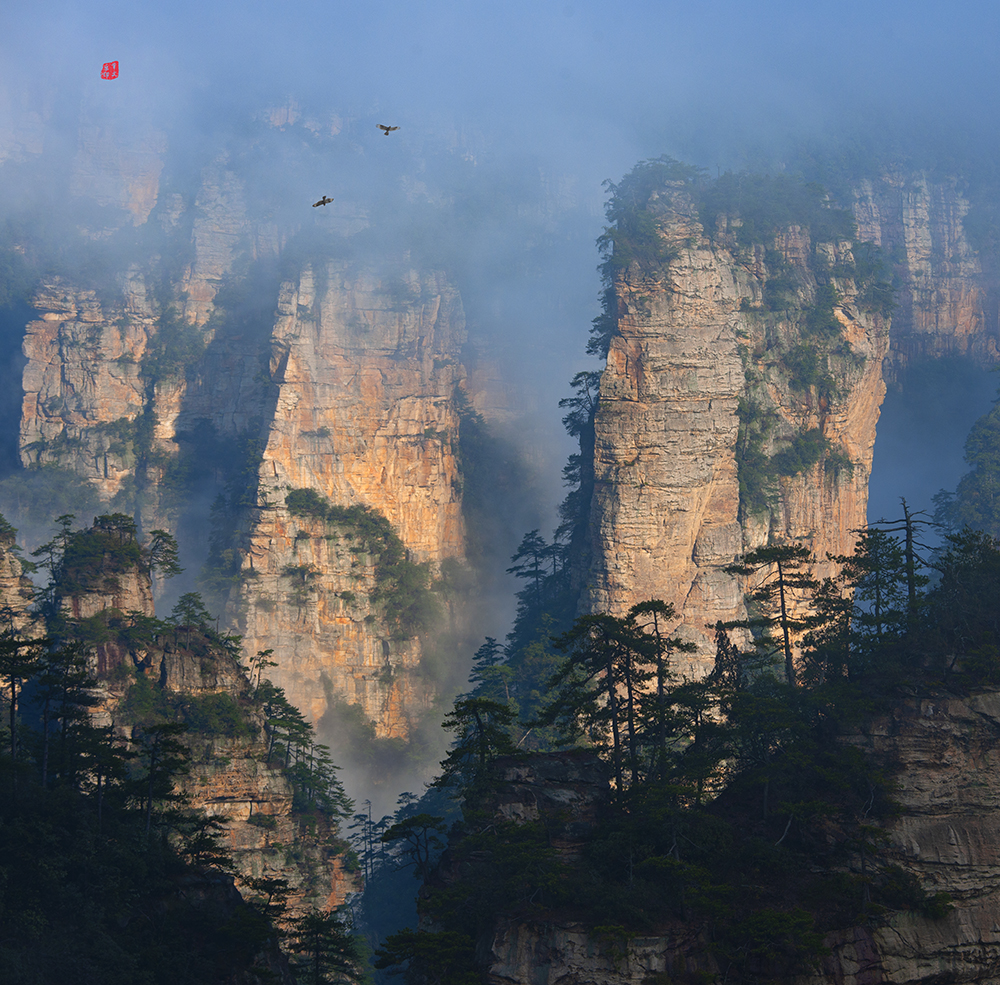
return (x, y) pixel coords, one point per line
(231, 775)
(16, 590)
(944, 303)
(665, 517)
(666, 493)
(365, 373)
(345, 379)
(357, 403)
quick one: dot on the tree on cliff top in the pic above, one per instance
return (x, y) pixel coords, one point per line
(482, 729)
(327, 951)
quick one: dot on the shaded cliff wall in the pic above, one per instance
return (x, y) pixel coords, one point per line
(17, 591)
(693, 337)
(109, 364)
(83, 390)
(230, 775)
(350, 391)
(946, 835)
(946, 304)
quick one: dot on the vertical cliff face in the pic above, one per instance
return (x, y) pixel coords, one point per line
(666, 494)
(186, 675)
(693, 340)
(350, 392)
(365, 375)
(306, 375)
(945, 835)
(700, 333)
(16, 590)
(119, 167)
(107, 371)
(946, 304)
(83, 390)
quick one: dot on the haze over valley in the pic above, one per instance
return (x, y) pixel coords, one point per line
(563, 436)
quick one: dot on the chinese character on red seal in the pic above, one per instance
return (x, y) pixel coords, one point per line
(109, 70)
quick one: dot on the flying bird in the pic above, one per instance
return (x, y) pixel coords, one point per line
(385, 129)
(323, 201)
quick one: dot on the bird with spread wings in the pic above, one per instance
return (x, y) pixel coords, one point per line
(323, 201)
(386, 130)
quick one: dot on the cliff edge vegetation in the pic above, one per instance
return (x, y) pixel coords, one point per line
(749, 826)
(167, 814)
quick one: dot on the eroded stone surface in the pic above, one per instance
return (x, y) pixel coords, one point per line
(947, 834)
(665, 516)
(365, 414)
(943, 307)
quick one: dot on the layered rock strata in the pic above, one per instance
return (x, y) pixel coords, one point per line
(365, 414)
(693, 339)
(946, 304)
(946, 835)
(17, 591)
(231, 776)
(82, 385)
(346, 380)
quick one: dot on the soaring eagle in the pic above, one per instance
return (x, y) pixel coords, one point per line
(323, 201)
(385, 129)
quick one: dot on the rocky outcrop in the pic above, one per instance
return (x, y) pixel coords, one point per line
(567, 954)
(267, 837)
(231, 774)
(365, 375)
(358, 403)
(17, 592)
(666, 494)
(693, 339)
(946, 303)
(345, 379)
(82, 385)
(946, 835)
(230, 777)
(565, 789)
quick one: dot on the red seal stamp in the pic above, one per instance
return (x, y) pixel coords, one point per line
(109, 70)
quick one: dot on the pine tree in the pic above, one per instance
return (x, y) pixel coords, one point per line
(976, 501)
(419, 841)
(482, 730)
(529, 562)
(328, 952)
(597, 689)
(781, 574)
